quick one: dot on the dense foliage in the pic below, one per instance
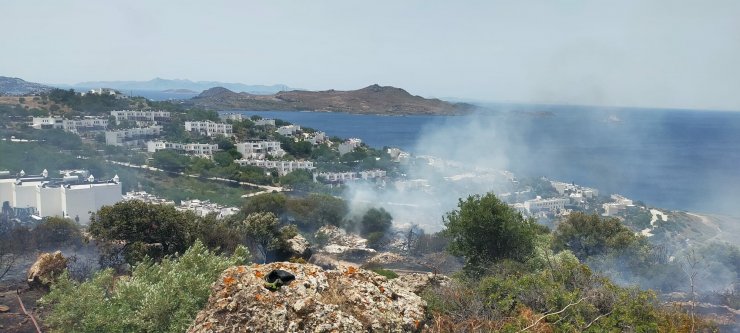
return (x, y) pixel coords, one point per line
(157, 297)
(590, 235)
(484, 229)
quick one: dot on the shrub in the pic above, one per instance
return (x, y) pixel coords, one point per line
(157, 297)
(389, 274)
(484, 230)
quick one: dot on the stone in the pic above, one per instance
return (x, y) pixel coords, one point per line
(418, 282)
(299, 247)
(347, 299)
(47, 267)
(4, 308)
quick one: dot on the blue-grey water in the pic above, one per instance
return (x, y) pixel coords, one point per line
(675, 159)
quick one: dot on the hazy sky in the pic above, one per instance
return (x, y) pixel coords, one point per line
(668, 53)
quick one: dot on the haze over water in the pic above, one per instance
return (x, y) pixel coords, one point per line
(674, 159)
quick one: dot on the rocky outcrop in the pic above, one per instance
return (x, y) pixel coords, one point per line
(419, 282)
(47, 267)
(339, 241)
(347, 299)
(299, 247)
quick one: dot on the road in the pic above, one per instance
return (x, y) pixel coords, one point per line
(265, 188)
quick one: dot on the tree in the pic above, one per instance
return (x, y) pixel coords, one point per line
(375, 220)
(262, 232)
(317, 210)
(590, 235)
(169, 160)
(57, 231)
(143, 225)
(268, 202)
(484, 229)
(223, 158)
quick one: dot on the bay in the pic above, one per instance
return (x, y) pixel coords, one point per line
(675, 159)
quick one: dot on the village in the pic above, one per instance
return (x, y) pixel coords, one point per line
(75, 194)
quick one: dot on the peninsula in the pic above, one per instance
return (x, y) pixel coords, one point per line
(374, 99)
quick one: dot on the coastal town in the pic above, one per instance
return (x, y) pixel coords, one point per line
(115, 183)
(274, 146)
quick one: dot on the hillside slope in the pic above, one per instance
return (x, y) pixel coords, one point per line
(373, 99)
(15, 86)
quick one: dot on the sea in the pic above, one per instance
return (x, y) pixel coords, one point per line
(674, 159)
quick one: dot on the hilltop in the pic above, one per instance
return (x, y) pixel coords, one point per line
(16, 86)
(373, 99)
(160, 84)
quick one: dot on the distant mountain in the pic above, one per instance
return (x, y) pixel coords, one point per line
(373, 99)
(159, 84)
(16, 86)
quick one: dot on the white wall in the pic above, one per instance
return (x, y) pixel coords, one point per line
(6, 190)
(24, 195)
(49, 201)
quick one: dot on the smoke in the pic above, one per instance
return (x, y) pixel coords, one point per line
(452, 159)
(670, 159)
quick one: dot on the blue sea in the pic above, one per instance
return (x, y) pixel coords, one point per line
(674, 159)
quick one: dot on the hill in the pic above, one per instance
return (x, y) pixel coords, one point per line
(16, 86)
(373, 99)
(159, 84)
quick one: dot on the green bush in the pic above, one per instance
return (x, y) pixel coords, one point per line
(389, 274)
(56, 231)
(485, 229)
(161, 297)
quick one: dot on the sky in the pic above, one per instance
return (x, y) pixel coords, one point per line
(671, 53)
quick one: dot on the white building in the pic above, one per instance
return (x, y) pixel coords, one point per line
(349, 145)
(69, 197)
(70, 125)
(551, 205)
(81, 199)
(198, 207)
(288, 130)
(133, 136)
(232, 116)
(613, 208)
(315, 138)
(569, 189)
(259, 149)
(141, 117)
(16, 188)
(198, 149)
(102, 91)
(341, 177)
(282, 167)
(209, 128)
(264, 122)
(398, 155)
(204, 208)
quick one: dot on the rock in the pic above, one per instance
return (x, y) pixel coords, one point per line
(299, 247)
(339, 242)
(418, 282)
(46, 268)
(4, 308)
(324, 261)
(347, 299)
(386, 258)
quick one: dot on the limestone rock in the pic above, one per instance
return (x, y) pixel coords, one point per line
(46, 268)
(299, 247)
(418, 282)
(347, 299)
(339, 241)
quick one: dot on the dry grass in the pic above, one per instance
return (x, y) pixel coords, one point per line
(31, 103)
